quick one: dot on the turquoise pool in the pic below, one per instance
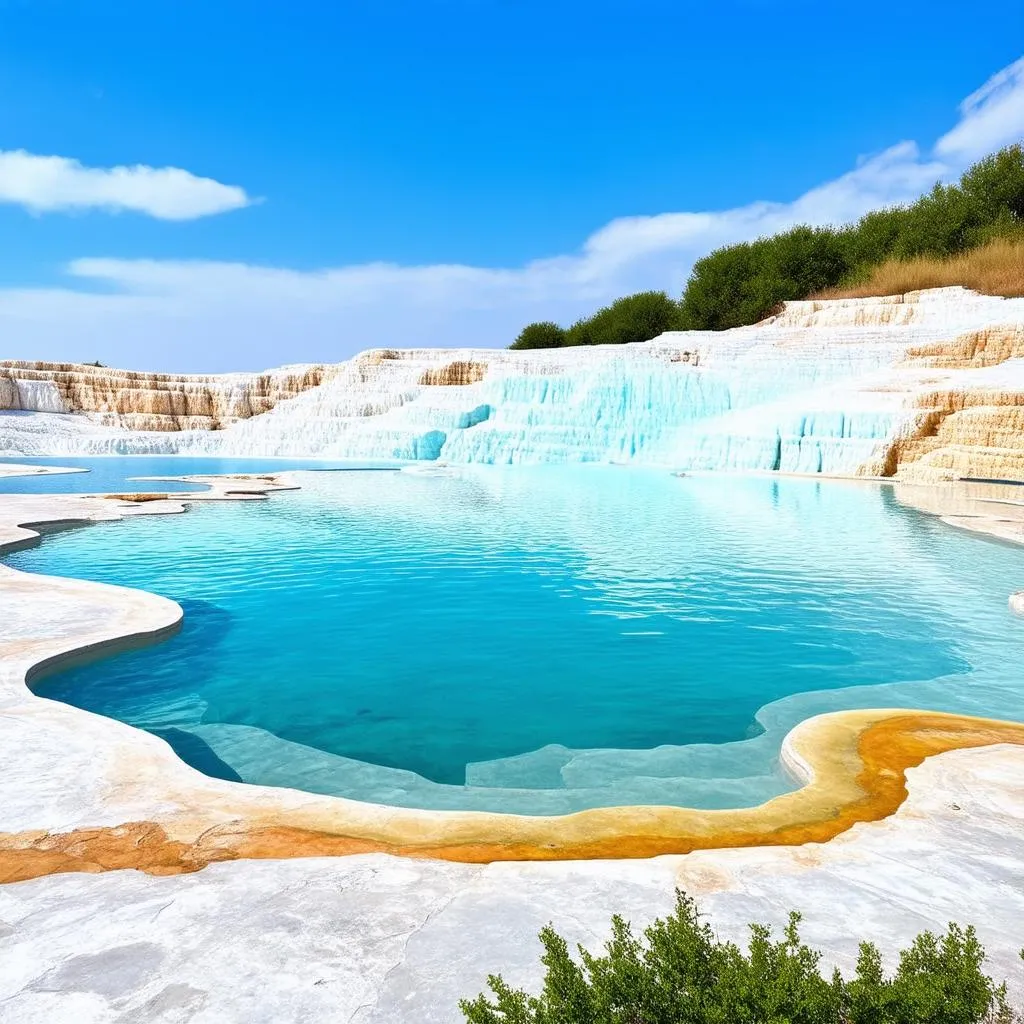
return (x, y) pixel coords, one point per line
(104, 474)
(544, 639)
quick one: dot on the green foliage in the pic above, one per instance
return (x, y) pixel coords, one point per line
(938, 981)
(995, 185)
(637, 317)
(741, 284)
(679, 973)
(543, 334)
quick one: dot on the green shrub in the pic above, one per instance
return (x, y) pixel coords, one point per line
(995, 185)
(681, 974)
(637, 317)
(543, 334)
(742, 284)
(938, 224)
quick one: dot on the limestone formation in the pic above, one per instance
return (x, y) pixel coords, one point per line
(963, 431)
(925, 386)
(375, 939)
(150, 401)
(987, 347)
(462, 371)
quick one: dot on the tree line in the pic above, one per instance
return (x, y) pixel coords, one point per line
(743, 283)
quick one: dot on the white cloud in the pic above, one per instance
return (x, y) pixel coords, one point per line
(990, 118)
(201, 315)
(46, 183)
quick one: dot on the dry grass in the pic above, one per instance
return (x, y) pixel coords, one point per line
(996, 268)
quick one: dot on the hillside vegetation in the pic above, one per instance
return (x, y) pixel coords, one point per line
(970, 233)
(637, 317)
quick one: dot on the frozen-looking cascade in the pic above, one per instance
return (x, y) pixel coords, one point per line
(824, 387)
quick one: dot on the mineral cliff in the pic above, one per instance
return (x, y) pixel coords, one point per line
(925, 386)
(150, 401)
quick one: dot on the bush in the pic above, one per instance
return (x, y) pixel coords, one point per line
(637, 317)
(741, 284)
(681, 974)
(995, 185)
(544, 334)
(938, 224)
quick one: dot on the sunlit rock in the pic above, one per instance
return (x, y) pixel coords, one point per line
(150, 401)
(926, 386)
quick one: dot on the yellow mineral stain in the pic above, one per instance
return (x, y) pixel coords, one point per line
(859, 761)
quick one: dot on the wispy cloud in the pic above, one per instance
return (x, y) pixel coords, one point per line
(49, 183)
(989, 118)
(219, 316)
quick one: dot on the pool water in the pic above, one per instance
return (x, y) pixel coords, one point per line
(540, 640)
(105, 474)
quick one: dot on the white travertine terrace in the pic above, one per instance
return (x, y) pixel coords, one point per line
(928, 385)
(15, 469)
(150, 401)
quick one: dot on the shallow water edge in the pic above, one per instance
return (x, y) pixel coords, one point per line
(126, 800)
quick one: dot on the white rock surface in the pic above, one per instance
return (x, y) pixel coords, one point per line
(149, 401)
(380, 940)
(821, 388)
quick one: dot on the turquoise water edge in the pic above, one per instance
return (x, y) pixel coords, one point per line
(127, 473)
(537, 640)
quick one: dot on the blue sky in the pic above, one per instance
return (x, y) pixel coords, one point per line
(442, 172)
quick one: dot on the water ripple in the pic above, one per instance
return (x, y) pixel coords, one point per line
(374, 634)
